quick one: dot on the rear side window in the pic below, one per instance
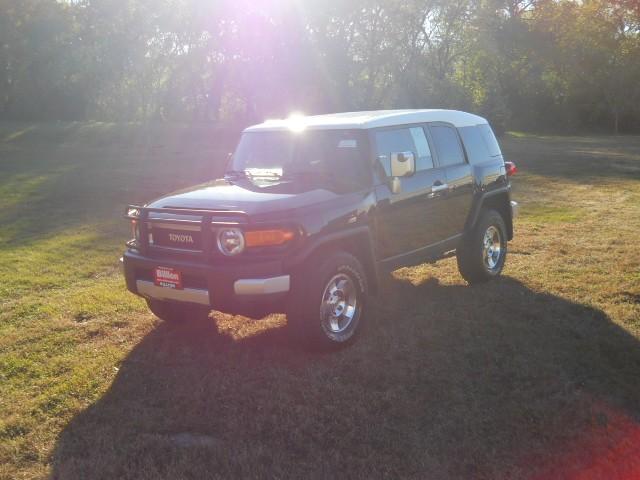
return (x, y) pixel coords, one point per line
(490, 140)
(447, 145)
(474, 143)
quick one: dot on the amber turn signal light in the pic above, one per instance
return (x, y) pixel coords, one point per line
(135, 229)
(266, 238)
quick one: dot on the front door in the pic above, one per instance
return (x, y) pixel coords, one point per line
(459, 176)
(412, 220)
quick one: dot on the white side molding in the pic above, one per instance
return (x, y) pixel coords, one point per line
(262, 286)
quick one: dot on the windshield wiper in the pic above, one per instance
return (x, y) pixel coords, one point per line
(264, 173)
(259, 175)
(309, 174)
(235, 174)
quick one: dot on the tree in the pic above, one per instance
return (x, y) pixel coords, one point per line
(528, 64)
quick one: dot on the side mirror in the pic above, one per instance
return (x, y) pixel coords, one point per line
(228, 161)
(403, 164)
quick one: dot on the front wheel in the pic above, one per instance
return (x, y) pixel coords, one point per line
(328, 300)
(483, 251)
(176, 312)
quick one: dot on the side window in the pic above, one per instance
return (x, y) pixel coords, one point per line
(447, 144)
(389, 141)
(490, 139)
(403, 140)
(423, 159)
(476, 147)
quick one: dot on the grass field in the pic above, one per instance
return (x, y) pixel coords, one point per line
(536, 375)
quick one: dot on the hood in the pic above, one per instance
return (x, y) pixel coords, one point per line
(245, 196)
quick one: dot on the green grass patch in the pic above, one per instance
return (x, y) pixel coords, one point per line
(443, 377)
(544, 213)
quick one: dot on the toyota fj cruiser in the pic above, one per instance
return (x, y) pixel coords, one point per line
(312, 210)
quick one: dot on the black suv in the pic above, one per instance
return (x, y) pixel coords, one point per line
(312, 210)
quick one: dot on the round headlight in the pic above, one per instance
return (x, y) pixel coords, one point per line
(230, 241)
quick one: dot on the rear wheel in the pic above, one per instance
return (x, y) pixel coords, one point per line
(175, 312)
(483, 251)
(328, 300)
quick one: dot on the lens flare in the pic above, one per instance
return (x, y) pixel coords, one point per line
(296, 122)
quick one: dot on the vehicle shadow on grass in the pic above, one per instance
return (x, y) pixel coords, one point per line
(493, 381)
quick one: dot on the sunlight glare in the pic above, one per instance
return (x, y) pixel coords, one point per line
(296, 122)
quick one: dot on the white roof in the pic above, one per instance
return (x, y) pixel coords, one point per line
(372, 119)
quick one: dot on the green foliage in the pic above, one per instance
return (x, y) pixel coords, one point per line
(526, 64)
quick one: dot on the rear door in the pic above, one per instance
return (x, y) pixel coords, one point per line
(413, 219)
(458, 175)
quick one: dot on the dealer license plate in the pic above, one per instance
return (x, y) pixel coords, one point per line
(168, 277)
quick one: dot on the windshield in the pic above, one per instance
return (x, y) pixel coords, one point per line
(315, 155)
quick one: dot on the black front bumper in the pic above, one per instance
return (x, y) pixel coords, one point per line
(219, 281)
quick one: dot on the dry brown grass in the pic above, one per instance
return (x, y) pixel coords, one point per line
(536, 375)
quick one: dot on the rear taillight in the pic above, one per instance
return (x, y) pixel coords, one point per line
(510, 168)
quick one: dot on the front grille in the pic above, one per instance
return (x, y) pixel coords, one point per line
(176, 238)
(172, 230)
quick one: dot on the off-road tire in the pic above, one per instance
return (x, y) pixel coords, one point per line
(311, 295)
(471, 253)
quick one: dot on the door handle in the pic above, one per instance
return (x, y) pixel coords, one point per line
(439, 188)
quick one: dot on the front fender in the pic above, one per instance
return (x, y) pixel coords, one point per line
(357, 241)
